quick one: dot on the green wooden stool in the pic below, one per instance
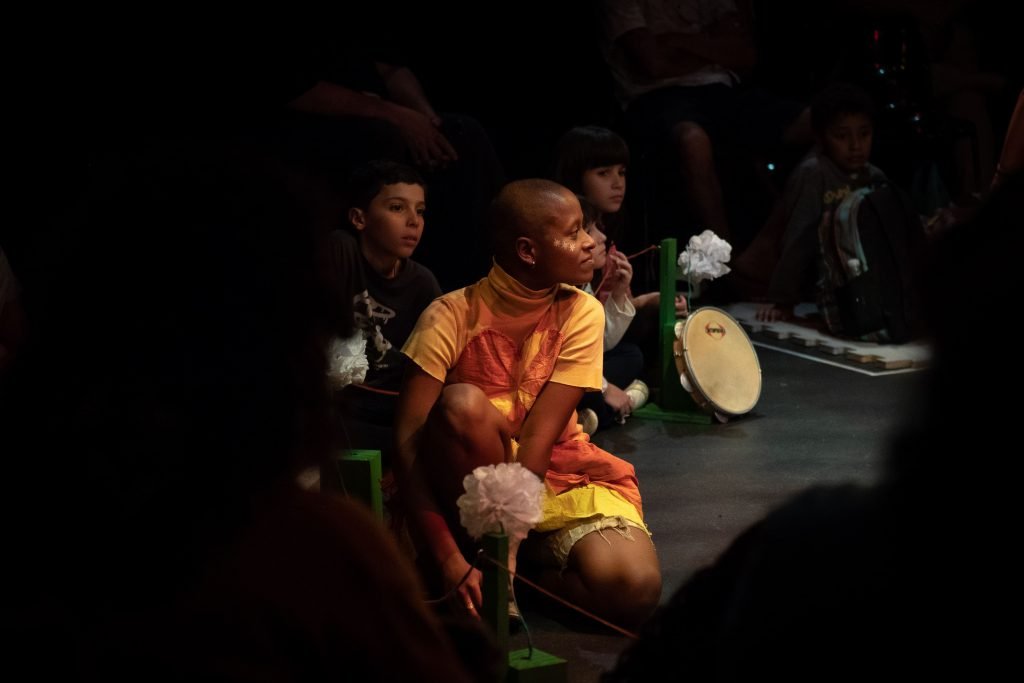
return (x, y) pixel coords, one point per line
(524, 666)
(670, 403)
(359, 472)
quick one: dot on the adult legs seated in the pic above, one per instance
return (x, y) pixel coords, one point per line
(608, 573)
(611, 574)
(702, 188)
(717, 134)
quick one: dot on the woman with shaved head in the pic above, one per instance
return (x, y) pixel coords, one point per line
(497, 371)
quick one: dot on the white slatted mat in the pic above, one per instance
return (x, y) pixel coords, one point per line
(817, 345)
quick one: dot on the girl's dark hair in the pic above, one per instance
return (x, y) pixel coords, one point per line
(365, 182)
(837, 100)
(584, 148)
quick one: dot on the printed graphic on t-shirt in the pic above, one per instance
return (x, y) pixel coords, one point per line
(833, 197)
(370, 317)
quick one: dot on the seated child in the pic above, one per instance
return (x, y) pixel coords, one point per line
(623, 360)
(388, 290)
(592, 161)
(497, 370)
(841, 117)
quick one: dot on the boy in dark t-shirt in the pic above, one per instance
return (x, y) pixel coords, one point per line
(387, 288)
(841, 117)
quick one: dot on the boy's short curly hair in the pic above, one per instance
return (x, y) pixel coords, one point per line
(837, 100)
(366, 181)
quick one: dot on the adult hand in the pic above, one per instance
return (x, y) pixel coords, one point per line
(427, 145)
(469, 596)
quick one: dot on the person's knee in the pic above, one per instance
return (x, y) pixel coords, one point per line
(693, 141)
(640, 593)
(627, 592)
(645, 584)
(463, 407)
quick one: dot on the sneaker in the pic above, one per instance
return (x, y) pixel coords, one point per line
(513, 610)
(588, 420)
(515, 619)
(638, 393)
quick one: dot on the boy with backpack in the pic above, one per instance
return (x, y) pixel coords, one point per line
(857, 238)
(841, 117)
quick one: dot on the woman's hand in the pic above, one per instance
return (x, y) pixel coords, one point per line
(469, 596)
(427, 144)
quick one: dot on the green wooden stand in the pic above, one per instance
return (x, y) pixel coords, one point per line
(494, 586)
(359, 472)
(674, 404)
(539, 667)
(651, 411)
(524, 666)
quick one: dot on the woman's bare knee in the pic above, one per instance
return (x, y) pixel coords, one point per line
(631, 592)
(640, 593)
(465, 430)
(621, 574)
(463, 407)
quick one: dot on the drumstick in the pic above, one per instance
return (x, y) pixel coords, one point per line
(605, 273)
(642, 252)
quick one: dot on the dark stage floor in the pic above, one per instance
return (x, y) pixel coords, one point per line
(702, 485)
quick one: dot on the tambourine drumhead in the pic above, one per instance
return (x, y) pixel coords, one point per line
(719, 361)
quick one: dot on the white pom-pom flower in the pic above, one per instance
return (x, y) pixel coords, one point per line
(347, 363)
(504, 497)
(704, 257)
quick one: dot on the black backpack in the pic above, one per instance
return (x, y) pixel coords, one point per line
(871, 245)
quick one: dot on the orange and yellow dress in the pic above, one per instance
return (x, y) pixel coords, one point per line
(468, 336)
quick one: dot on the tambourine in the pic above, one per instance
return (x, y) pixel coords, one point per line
(717, 364)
